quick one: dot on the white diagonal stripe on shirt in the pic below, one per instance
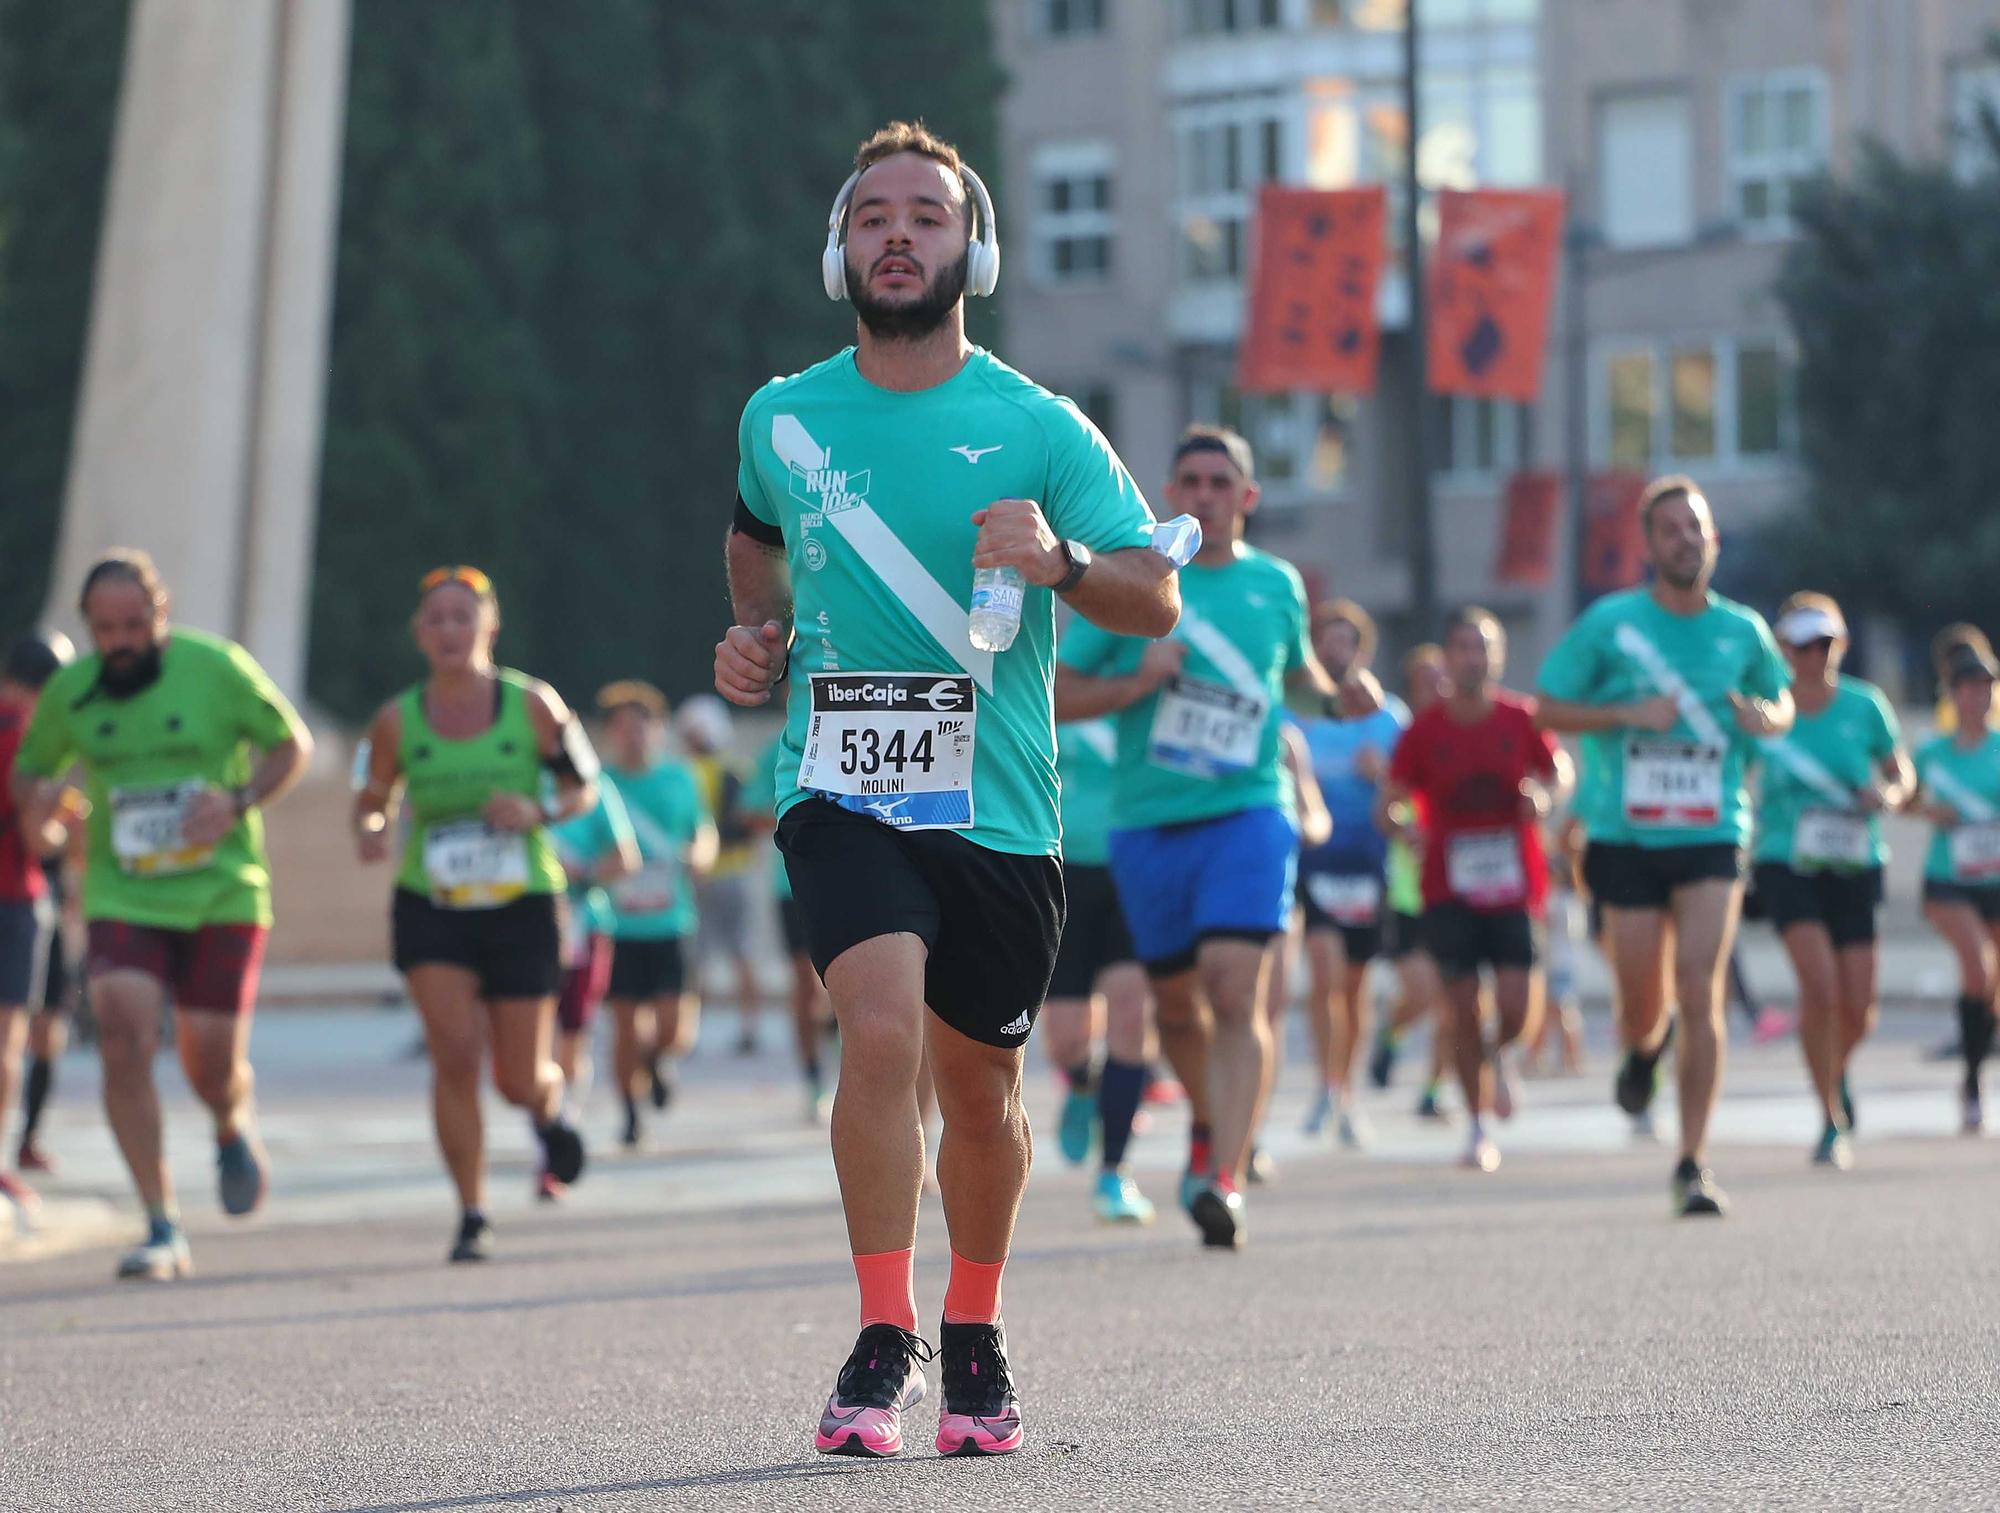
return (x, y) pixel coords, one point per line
(1222, 654)
(1634, 643)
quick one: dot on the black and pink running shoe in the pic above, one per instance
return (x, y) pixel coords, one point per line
(980, 1414)
(882, 1380)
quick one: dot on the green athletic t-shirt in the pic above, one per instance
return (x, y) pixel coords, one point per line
(874, 492)
(1812, 773)
(1969, 781)
(1086, 758)
(760, 796)
(1687, 787)
(665, 808)
(452, 856)
(584, 840)
(1207, 742)
(198, 725)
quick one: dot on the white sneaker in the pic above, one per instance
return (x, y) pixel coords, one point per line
(1322, 1110)
(1354, 1131)
(1642, 1128)
(1974, 1120)
(1482, 1155)
(161, 1257)
(1503, 1087)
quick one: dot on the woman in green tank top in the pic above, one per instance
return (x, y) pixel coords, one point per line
(483, 760)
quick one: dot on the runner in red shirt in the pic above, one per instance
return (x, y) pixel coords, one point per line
(1481, 774)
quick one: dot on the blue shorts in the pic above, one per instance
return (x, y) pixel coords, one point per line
(1179, 885)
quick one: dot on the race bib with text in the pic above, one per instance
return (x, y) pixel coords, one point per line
(1483, 868)
(1827, 839)
(471, 865)
(1205, 729)
(1671, 783)
(148, 834)
(895, 746)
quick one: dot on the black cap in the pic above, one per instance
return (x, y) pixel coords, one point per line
(33, 660)
(1968, 661)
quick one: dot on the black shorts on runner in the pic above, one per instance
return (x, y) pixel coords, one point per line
(24, 951)
(1984, 899)
(1402, 934)
(643, 970)
(514, 950)
(990, 920)
(1462, 940)
(1647, 877)
(1845, 902)
(1094, 937)
(1362, 942)
(792, 925)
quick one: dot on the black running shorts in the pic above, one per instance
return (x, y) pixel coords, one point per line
(1621, 876)
(643, 971)
(1845, 902)
(1094, 937)
(990, 920)
(1984, 898)
(514, 950)
(1462, 940)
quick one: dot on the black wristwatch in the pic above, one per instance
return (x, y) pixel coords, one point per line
(1079, 563)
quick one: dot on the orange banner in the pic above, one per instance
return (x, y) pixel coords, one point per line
(1317, 256)
(1528, 529)
(1492, 277)
(1614, 546)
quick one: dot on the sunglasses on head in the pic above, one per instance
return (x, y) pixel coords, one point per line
(471, 577)
(1818, 643)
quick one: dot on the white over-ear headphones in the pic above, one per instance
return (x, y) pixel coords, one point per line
(982, 256)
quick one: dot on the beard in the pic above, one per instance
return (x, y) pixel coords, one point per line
(1687, 577)
(916, 318)
(124, 673)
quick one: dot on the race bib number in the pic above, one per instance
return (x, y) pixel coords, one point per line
(1975, 852)
(895, 746)
(650, 890)
(1206, 729)
(1351, 901)
(1826, 838)
(148, 835)
(1672, 784)
(1484, 868)
(470, 865)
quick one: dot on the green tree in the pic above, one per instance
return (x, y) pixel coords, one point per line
(1893, 291)
(59, 73)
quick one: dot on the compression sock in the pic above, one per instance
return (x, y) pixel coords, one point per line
(1975, 1034)
(1119, 1091)
(973, 1294)
(40, 1082)
(888, 1288)
(1199, 1155)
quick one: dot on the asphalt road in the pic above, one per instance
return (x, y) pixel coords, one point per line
(1399, 1334)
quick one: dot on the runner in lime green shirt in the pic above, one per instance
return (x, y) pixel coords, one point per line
(1204, 841)
(917, 793)
(1959, 778)
(1822, 789)
(181, 740)
(486, 760)
(1669, 687)
(655, 1014)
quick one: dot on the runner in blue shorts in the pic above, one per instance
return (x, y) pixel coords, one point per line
(1204, 841)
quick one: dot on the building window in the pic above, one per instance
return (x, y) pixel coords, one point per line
(1074, 227)
(1691, 417)
(1069, 18)
(1100, 403)
(1201, 18)
(1775, 131)
(1477, 438)
(1975, 91)
(1223, 158)
(1301, 440)
(1645, 171)
(1761, 398)
(1362, 15)
(1698, 404)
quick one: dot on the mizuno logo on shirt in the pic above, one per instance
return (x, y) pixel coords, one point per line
(973, 454)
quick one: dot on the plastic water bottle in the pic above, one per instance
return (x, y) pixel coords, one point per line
(1178, 539)
(357, 777)
(995, 617)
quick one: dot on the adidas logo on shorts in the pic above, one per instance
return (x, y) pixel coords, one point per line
(1018, 1027)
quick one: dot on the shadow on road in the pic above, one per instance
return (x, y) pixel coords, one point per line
(745, 1476)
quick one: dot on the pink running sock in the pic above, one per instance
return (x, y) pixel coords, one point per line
(973, 1294)
(888, 1288)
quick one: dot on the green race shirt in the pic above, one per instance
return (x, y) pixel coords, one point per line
(1969, 781)
(893, 713)
(1207, 742)
(760, 796)
(1810, 775)
(665, 808)
(1687, 787)
(198, 725)
(452, 856)
(1086, 758)
(584, 840)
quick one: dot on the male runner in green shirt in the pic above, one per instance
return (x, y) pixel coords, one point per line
(917, 778)
(181, 740)
(1671, 687)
